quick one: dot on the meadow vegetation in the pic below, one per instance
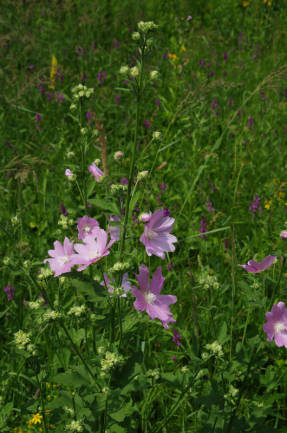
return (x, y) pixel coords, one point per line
(143, 216)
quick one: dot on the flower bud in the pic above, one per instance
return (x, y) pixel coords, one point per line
(136, 36)
(134, 71)
(124, 70)
(118, 155)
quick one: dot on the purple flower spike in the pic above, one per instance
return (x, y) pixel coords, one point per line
(149, 299)
(276, 325)
(10, 292)
(156, 237)
(255, 267)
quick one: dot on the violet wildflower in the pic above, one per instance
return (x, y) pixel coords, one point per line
(250, 122)
(94, 248)
(69, 174)
(255, 267)
(60, 263)
(146, 124)
(10, 292)
(254, 206)
(202, 228)
(176, 338)
(38, 117)
(96, 172)
(283, 234)
(225, 56)
(214, 103)
(276, 324)
(63, 210)
(87, 226)
(126, 285)
(116, 43)
(114, 230)
(209, 205)
(156, 237)
(189, 18)
(148, 297)
(230, 102)
(157, 102)
(124, 181)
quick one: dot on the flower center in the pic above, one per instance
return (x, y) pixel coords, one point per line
(150, 234)
(279, 327)
(63, 260)
(87, 229)
(150, 297)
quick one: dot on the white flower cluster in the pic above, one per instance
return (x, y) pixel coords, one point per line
(155, 374)
(69, 411)
(118, 187)
(214, 349)
(64, 221)
(142, 174)
(45, 273)
(77, 310)
(146, 26)
(110, 361)
(120, 266)
(208, 281)
(34, 305)
(21, 339)
(81, 91)
(74, 426)
(14, 220)
(133, 72)
(49, 315)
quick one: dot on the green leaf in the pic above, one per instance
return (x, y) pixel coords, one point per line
(127, 410)
(105, 205)
(71, 378)
(94, 291)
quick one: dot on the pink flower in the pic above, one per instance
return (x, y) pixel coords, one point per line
(92, 250)
(276, 325)
(126, 285)
(61, 257)
(96, 172)
(156, 237)
(255, 267)
(86, 226)
(149, 299)
(283, 234)
(114, 230)
(10, 292)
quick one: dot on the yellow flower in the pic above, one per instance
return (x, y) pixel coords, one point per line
(245, 4)
(172, 56)
(269, 3)
(53, 71)
(48, 411)
(183, 48)
(268, 204)
(18, 430)
(36, 418)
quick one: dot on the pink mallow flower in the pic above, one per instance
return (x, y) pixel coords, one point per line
(61, 257)
(255, 267)
(156, 237)
(92, 250)
(283, 234)
(86, 226)
(276, 325)
(110, 284)
(96, 172)
(149, 299)
(114, 230)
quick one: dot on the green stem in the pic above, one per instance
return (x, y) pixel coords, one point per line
(132, 166)
(80, 356)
